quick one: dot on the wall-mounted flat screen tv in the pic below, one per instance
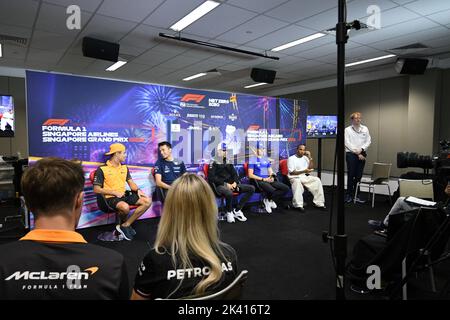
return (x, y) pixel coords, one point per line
(321, 126)
(6, 116)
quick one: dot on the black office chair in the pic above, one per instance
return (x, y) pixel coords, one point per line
(232, 292)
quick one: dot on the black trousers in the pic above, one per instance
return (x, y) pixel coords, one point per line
(274, 190)
(246, 189)
(355, 168)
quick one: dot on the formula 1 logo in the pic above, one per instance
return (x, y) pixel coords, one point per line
(58, 122)
(192, 97)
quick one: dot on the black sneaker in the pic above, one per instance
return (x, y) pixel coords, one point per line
(321, 208)
(376, 224)
(300, 209)
(125, 232)
(348, 199)
(133, 232)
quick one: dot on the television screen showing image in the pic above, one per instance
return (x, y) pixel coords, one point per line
(319, 126)
(6, 116)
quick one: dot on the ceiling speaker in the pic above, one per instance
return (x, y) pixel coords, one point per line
(411, 65)
(99, 49)
(262, 75)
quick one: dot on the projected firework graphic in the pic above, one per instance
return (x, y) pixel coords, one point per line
(79, 117)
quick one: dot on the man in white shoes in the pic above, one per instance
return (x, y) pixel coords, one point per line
(226, 180)
(300, 165)
(260, 169)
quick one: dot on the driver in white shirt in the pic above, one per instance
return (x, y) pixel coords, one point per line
(7, 118)
(299, 166)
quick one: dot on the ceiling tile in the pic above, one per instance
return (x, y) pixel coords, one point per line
(402, 2)
(427, 7)
(18, 12)
(363, 51)
(318, 51)
(153, 58)
(259, 6)
(202, 66)
(11, 62)
(11, 51)
(131, 69)
(282, 36)
(53, 18)
(85, 5)
(295, 10)
(359, 9)
(252, 29)
(15, 31)
(401, 29)
(44, 55)
(442, 17)
(179, 62)
(50, 41)
(438, 42)
(297, 50)
(170, 12)
(322, 21)
(419, 36)
(75, 61)
(143, 37)
(107, 28)
(158, 71)
(395, 16)
(219, 20)
(126, 50)
(135, 10)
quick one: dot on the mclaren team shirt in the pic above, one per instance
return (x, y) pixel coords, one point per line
(59, 264)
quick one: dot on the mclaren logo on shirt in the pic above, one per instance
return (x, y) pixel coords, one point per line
(73, 276)
(44, 275)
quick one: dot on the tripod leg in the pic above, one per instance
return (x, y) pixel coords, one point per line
(433, 282)
(405, 289)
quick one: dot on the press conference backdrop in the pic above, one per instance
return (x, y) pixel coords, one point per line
(79, 117)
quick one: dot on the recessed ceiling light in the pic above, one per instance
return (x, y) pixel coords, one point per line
(370, 60)
(299, 41)
(194, 15)
(116, 66)
(255, 85)
(198, 75)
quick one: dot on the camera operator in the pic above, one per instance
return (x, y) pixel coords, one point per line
(402, 205)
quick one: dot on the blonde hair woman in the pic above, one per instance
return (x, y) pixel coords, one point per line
(187, 257)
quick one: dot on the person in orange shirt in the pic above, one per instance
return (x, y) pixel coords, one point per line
(110, 181)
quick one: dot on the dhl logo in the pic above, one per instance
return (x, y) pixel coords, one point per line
(193, 97)
(59, 122)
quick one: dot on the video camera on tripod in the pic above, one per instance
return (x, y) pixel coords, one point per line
(426, 162)
(440, 163)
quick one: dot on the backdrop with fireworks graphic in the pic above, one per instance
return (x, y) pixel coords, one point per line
(79, 117)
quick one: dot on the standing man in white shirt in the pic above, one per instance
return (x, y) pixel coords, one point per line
(357, 141)
(299, 166)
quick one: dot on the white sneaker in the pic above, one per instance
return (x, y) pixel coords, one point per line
(267, 205)
(230, 217)
(273, 204)
(239, 215)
